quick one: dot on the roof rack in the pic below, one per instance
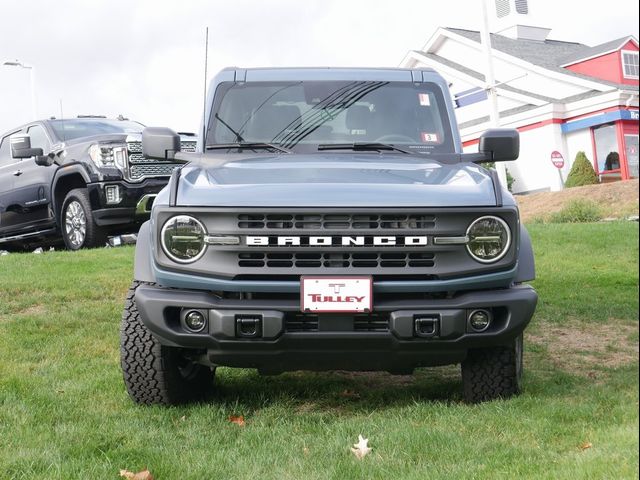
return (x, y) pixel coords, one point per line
(91, 116)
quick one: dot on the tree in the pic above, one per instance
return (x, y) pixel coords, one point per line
(582, 172)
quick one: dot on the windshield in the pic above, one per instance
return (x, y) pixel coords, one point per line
(303, 115)
(78, 127)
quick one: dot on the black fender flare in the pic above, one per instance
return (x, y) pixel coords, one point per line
(526, 262)
(63, 172)
(142, 270)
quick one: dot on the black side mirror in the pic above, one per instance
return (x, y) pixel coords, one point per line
(45, 160)
(21, 147)
(500, 144)
(160, 143)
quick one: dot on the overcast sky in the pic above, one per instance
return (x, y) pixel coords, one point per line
(145, 59)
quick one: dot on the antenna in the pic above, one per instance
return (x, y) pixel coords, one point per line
(64, 137)
(204, 99)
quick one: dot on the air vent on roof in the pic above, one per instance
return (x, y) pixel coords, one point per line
(522, 7)
(502, 8)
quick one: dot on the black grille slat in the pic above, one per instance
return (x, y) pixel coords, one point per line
(335, 260)
(337, 222)
(359, 322)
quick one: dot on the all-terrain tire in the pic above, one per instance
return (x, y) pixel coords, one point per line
(154, 373)
(490, 373)
(78, 226)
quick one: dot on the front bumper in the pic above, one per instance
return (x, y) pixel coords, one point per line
(134, 207)
(336, 342)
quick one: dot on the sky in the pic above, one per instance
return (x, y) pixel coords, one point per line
(144, 59)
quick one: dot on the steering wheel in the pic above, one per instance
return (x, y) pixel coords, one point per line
(393, 137)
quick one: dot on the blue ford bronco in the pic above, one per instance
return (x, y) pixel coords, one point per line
(329, 220)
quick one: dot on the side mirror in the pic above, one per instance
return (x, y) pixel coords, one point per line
(500, 144)
(21, 147)
(160, 143)
(45, 160)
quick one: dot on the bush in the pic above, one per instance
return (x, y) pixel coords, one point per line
(582, 172)
(577, 211)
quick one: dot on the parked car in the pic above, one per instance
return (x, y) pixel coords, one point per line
(79, 179)
(331, 222)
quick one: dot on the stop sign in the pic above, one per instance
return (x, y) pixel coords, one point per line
(557, 159)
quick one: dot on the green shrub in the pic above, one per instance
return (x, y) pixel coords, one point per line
(577, 211)
(582, 172)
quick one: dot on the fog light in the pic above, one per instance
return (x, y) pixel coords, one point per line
(480, 320)
(112, 192)
(195, 321)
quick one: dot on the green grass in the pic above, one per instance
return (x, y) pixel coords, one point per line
(64, 412)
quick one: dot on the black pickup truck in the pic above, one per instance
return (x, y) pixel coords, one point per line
(78, 179)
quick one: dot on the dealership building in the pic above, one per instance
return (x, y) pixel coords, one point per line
(563, 97)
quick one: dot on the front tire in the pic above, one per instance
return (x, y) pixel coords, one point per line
(154, 373)
(78, 226)
(491, 373)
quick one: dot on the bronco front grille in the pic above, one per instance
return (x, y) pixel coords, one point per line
(311, 260)
(336, 221)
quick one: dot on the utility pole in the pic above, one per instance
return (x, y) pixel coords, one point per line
(494, 113)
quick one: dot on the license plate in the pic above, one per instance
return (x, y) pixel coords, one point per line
(336, 294)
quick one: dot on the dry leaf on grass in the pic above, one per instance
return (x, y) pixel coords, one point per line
(238, 420)
(361, 448)
(349, 394)
(143, 475)
(586, 445)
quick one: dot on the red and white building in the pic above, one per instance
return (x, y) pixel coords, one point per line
(561, 96)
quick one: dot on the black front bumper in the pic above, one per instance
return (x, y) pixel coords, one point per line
(126, 212)
(289, 340)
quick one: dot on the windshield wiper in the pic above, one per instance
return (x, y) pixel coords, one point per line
(362, 146)
(249, 145)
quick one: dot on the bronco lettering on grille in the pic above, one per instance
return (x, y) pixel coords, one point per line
(336, 241)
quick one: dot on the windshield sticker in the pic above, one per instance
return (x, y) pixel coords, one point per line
(424, 99)
(429, 137)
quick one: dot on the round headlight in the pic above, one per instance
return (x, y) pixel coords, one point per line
(182, 239)
(489, 239)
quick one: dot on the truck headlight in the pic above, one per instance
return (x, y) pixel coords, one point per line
(182, 239)
(489, 239)
(108, 155)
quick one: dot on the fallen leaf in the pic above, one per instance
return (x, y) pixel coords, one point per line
(143, 475)
(305, 450)
(349, 394)
(183, 418)
(361, 448)
(238, 420)
(586, 445)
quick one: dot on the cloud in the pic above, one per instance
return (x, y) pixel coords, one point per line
(145, 59)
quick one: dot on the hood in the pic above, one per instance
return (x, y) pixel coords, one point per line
(332, 180)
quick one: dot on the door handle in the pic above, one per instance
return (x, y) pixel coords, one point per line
(17, 173)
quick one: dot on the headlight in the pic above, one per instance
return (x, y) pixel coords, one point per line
(489, 239)
(182, 239)
(108, 155)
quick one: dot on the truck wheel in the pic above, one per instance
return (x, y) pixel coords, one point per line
(154, 373)
(77, 224)
(490, 373)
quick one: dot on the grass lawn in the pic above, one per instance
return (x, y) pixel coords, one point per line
(64, 413)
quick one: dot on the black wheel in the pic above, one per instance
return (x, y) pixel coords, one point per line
(491, 373)
(79, 229)
(153, 373)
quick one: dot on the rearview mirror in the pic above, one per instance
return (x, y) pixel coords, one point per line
(21, 147)
(160, 143)
(500, 144)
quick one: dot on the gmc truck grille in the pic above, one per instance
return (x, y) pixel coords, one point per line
(337, 222)
(141, 168)
(311, 260)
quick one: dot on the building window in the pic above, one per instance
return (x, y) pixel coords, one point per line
(630, 64)
(607, 154)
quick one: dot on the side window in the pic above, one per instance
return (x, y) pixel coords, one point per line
(5, 150)
(39, 138)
